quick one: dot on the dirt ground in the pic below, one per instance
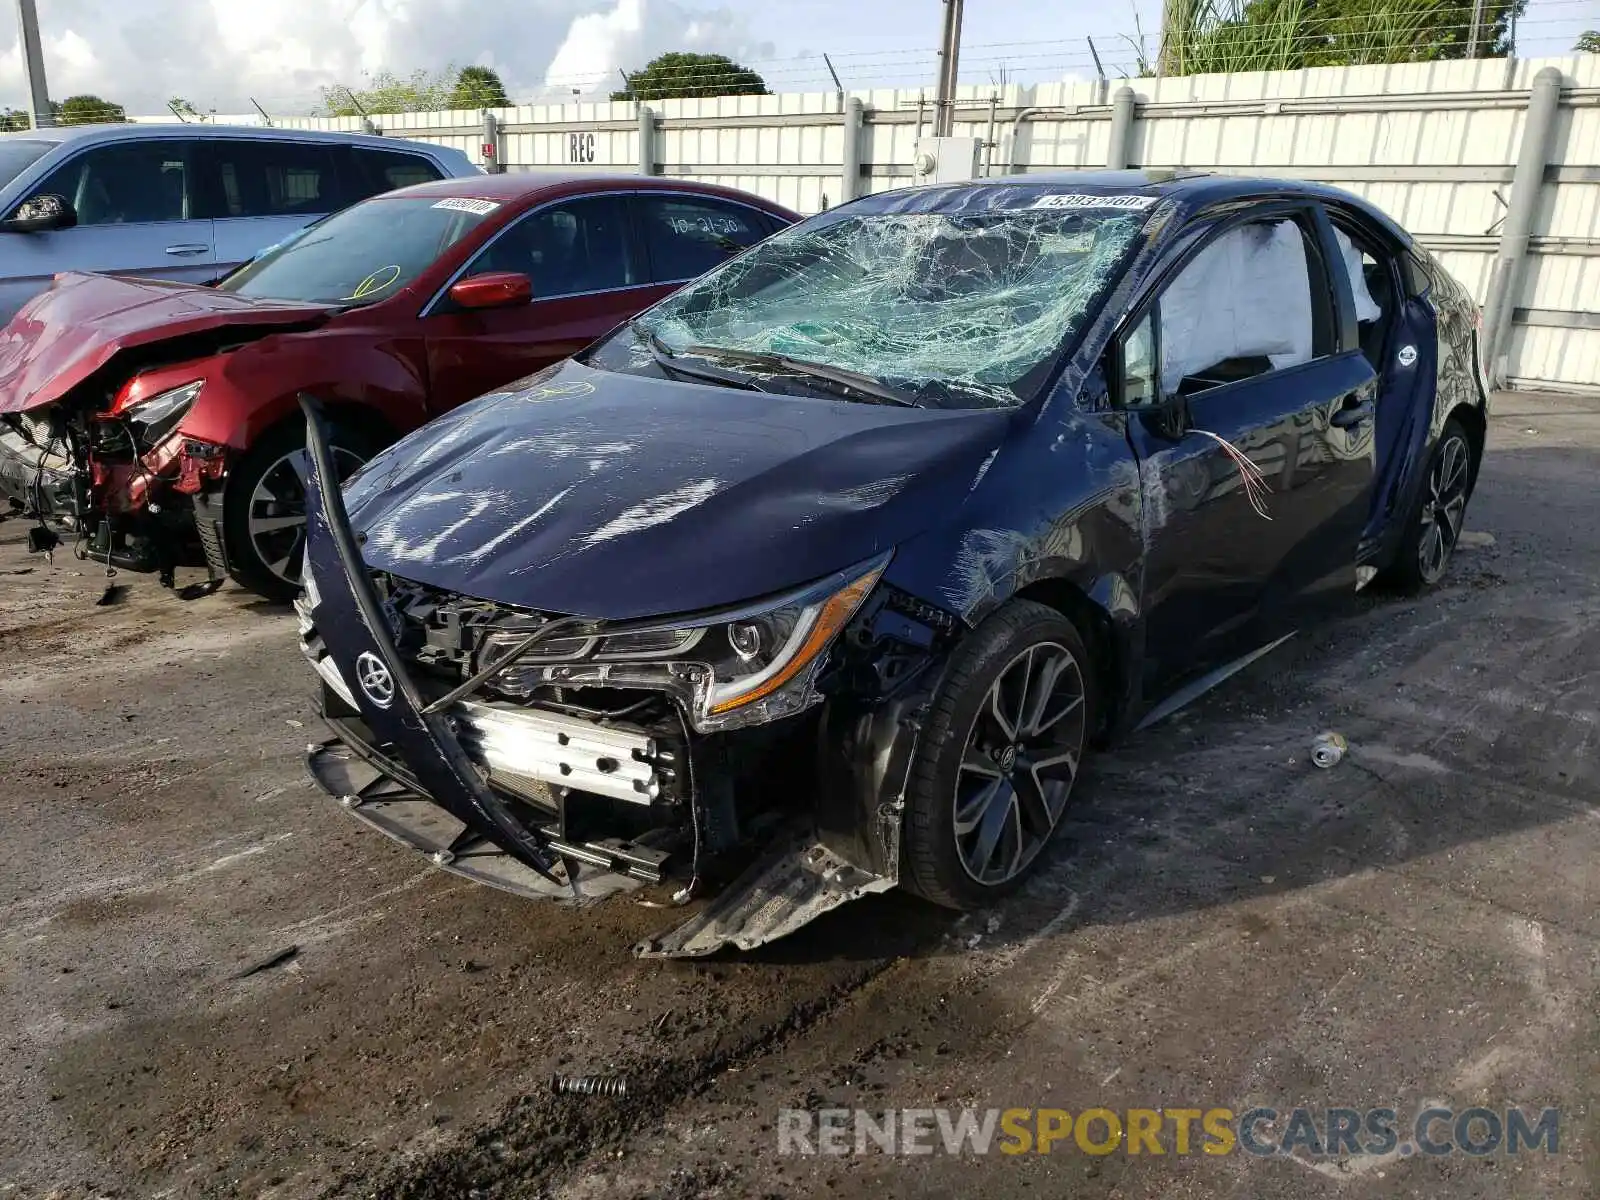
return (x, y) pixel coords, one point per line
(1222, 925)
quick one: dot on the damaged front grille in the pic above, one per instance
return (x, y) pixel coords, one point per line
(458, 634)
(620, 744)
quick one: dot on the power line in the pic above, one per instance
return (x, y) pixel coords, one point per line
(1032, 60)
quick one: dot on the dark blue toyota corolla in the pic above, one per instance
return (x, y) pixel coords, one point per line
(822, 575)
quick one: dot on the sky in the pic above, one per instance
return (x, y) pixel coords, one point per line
(219, 54)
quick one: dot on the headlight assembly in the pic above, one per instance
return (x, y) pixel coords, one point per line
(763, 664)
(154, 418)
(733, 667)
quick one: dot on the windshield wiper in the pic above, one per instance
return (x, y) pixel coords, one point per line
(667, 359)
(840, 377)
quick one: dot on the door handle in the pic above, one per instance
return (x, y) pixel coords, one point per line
(187, 248)
(1352, 415)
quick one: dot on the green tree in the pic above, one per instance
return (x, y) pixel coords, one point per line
(479, 87)
(13, 119)
(386, 92)
(684, 74)
(183, 110)
(87, 110)
(1589, 42)
(1205, 36)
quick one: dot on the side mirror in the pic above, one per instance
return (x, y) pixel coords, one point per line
(39, 214)
(492, 289)
(1166, 417)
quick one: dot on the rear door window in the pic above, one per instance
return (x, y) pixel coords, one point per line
(128, 183)
(686, 236)
(273, 179)
(384, 170)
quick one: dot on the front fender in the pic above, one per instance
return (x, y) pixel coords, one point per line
(256, 388)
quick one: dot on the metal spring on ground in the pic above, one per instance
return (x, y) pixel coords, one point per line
(590, 1085)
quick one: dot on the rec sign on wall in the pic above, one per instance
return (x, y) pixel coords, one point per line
(580, 147)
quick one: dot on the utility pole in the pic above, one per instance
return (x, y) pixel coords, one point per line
(33, 65)
(949, 64)
(1477, 26)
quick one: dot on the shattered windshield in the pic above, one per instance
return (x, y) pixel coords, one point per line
(957, 308)
(364, 254)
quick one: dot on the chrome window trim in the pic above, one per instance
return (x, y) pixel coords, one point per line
(428, 309)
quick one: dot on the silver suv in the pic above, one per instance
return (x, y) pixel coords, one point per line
(185, 202)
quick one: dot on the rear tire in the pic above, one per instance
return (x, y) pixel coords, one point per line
(264, 507)
(996, 764)
(1433, 526)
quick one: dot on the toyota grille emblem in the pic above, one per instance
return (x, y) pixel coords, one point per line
(375, 679)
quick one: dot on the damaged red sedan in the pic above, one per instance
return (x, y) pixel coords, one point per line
(155, 422)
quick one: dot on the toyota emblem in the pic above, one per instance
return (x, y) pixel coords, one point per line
(375, 678)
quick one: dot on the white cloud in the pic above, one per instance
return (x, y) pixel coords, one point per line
(627, 36)
(221, 53)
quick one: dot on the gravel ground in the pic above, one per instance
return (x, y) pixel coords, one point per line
(215, 984)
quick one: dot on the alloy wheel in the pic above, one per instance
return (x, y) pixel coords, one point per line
(1444, 507)
(1019, 763)
(277, 518)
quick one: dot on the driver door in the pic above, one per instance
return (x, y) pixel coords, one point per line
(1251, 417)
(587, 277)
(138, 214)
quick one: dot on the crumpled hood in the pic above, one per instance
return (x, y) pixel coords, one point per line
(617, 496)
(64, 335)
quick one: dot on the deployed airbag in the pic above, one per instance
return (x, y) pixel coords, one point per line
(1246, 295)
(1367, 308)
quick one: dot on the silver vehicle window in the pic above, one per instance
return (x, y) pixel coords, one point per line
(17, 155)
(127, 183)
(272, 179)
(385, 170)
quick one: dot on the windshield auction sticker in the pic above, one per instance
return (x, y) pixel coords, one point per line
(1074, 200)
(462, 204)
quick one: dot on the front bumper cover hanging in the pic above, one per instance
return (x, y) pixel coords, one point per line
(351, 623)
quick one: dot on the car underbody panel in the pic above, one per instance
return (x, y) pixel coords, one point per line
(793, 884)
(397, 808)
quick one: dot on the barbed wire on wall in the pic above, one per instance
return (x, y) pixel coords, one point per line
(983, 64)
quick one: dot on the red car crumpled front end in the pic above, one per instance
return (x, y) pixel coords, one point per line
(97, 378)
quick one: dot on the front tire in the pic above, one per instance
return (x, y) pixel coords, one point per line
(999, 756)
(264, 507)
(1433, 526)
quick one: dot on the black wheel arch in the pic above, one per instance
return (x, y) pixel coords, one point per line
(362, 420)
(1086, 601)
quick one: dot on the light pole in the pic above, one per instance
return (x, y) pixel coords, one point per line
(33, 64)
(949, 63)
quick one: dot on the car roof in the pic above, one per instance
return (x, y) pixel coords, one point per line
(528, 185)
(1194, 189)
(143, 131)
